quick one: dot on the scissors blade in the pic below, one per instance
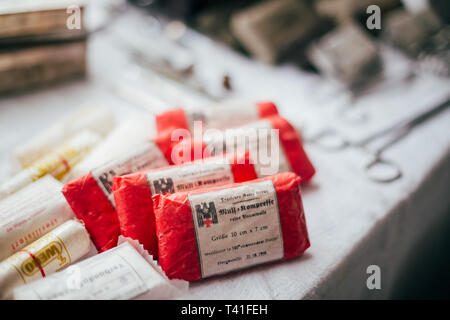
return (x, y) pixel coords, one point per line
(429, 113)
(406, 125)
(404, 129)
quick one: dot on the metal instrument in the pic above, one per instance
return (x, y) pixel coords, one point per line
(330, 140)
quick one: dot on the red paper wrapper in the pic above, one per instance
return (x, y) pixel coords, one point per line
(133, 193)
(93, 208)
(179, 232)
(293, 149)
(91, 199)
(179, 118)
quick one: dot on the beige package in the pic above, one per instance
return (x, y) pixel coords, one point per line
(57, 163)
(119, 273)
(51, 253)
(97, 119)
(31, 213)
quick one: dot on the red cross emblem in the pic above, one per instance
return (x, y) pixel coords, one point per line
(207, 222)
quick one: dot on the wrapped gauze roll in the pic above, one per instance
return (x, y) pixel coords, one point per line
(207, 232)
(218, 116)
(94, 118)
(51, 253)
(30, 213)
(57, 163)
(127, 137)
(117, 274)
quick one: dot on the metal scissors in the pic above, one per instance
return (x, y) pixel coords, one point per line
(330, 140)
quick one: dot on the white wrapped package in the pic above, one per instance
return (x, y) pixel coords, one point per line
(117, 274)
(57, 163)
(30, 213)
(97, 119)
(128, 136)
(51, 253)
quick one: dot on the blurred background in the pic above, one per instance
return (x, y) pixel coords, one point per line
(354, 64)
(342, 40)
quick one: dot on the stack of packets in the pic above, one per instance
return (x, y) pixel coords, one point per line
(41, 42)
(201, 205)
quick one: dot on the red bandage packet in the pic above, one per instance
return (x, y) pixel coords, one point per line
(133, 193)
(275, 146)
(91, 197)
(218, 116)
(208, 232)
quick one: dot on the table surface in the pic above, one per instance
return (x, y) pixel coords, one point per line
(352, 221)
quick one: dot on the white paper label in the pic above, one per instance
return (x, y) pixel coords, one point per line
(115, 274)
(190, 177)
(260, 139)
(112, 278)
(223, 115)
(147, 157)
(237, 227)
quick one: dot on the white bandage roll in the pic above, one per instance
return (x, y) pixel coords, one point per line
(119, 273)
(51, 253)
(94, 118)
(127, 137)
(30, 213)
(57, 163)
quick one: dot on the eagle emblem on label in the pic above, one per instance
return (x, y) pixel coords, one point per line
(106, 179)
(163, 185)
(206, 214)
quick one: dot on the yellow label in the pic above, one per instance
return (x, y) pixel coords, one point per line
(53, 251)
(48, 253)
(57, 164)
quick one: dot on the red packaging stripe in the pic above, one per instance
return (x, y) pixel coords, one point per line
(242, 168)
(165, 144)
(65, 164)
(38, 264)
(134, 204)
(93, 208)
(175, 230)
(267, 109)
(176, 150)
(171, 119)
(293, 148)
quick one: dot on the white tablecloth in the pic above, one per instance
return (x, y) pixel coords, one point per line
(352, 222)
